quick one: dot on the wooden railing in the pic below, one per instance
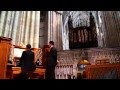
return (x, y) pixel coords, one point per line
(105, 71)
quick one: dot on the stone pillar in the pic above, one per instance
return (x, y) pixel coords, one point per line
(23, 28)
(118, 18)
(54, 28)
(98, 27)
(103, 28)
(7, 24)
(116, 25)
(32, 28)
(51, 25)
(107, 33)
(111, 28)
(49, 28)
(60, 34)
(17, 13)
(19, 29)
(58, 30)
(36, 30)
(108, 28)
(2, 21)
(27, 28)
(11, 23)
(114, 28)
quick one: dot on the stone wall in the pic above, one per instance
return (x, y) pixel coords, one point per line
(68, 59)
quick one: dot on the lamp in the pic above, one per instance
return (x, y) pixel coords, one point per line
(82, 64)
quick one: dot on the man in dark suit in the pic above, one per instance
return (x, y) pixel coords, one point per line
(51, 61)
(27, 63)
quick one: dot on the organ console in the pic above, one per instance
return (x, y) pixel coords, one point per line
(14, 69)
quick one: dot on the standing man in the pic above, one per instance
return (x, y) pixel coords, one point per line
(51, 61)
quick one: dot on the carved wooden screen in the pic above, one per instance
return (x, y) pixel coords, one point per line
(45, 52)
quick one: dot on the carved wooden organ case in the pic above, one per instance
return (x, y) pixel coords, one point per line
(83, 36)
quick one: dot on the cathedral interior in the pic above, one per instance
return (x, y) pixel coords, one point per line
(87, 42)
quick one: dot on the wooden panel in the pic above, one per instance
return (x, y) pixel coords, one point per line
(45, 52)
(37, 55)
(4, 54)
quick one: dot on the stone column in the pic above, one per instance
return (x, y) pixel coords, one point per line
(7, 24)
(51, 25)
(58, 30)
(103, 28)
(49, 28)
(32, 28)
(54, 28)
(108, 33)
(60, 33)
(17, 13)
(106, 28)
(114, 28)
(19, 29)
(36, 30)
(27, 28)
(11, 23)
(108, 20)
(2, 21)
(23, 28)
(97, 19)
(116, 25)
(111, 28)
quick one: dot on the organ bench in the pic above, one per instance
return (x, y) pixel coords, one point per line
(17, 71)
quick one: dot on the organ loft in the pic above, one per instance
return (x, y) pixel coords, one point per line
(86, 41)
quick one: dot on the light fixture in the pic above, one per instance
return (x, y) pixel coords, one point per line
(82, 64)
